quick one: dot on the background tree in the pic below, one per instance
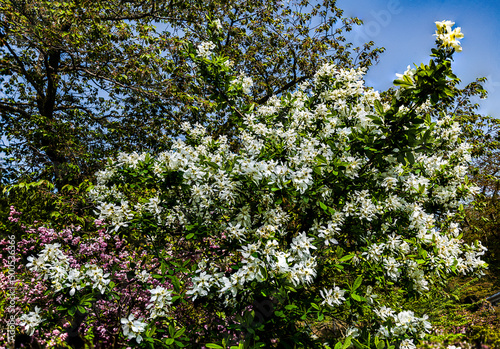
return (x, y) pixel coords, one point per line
(82, 80)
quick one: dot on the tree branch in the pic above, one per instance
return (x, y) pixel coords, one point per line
(27, 76)
(284, 88)
(13, 109)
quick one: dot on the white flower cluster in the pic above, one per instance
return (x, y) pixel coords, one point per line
(53, 264)
(161, 298)
(30, 321)
(143, 276)
(96, 277)
(332, 297)
(407, 344)
(399, 324)
(118, 215)
(133, 328)
(448, 37)
(408, 73)
(130, 159)
(205, 49)
(408, 77)
(217, 23)
(245, 82)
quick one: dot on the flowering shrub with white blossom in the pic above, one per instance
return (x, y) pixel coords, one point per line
(324, 203)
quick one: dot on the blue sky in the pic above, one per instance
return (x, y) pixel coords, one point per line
(405, 28)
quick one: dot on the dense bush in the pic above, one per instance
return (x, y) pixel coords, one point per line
(310, 226)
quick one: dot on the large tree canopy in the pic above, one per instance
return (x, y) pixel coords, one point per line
(84, 79)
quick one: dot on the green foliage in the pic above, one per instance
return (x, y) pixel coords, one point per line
(462, 316)
(39, 202)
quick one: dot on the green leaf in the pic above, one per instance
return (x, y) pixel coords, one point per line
(321, 159)
(379, 108)
(358, 345)
(189, 236)
(410, 158)
(323, 206)
(264, 272)
(402, 83)
(72, 311)
(357, 297)
(279, 313)
(357, 283)
(215, 346)
(180, 332)
(346, 258)
(169, 341)
(241, 345)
